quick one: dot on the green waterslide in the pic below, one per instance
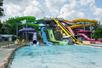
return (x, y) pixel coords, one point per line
(52, 38)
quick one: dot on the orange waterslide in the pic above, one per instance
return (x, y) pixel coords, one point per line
(71, 31)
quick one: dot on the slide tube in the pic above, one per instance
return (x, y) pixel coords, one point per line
(44, 37)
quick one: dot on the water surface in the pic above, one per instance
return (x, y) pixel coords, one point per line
(57, 57)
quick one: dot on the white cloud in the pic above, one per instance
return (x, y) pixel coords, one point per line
(14, 11)
(69, 11)
(56, 8)
(89, 3)
(33, 9)
(65, 11)
(98, 11)
(98, 14)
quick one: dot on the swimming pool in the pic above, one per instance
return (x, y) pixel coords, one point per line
(57, 57)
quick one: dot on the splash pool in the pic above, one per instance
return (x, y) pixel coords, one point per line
(57, 57)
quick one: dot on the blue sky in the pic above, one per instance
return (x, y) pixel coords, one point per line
(99, 3)
(67, 9)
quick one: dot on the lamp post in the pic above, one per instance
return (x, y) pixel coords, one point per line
(17, 29)
(25, 22)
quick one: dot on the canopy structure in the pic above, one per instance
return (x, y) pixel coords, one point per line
(27, 30)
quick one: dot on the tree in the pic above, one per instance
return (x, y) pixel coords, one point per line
(0, 24)
(1, 9)
(15, 23)
(0, 27)
(97, 33)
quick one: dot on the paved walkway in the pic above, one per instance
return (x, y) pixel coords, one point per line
(4, 55)
(5, 52)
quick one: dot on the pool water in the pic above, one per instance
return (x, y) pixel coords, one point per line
(57, 57)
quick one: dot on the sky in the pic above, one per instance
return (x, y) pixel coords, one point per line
(68, 9)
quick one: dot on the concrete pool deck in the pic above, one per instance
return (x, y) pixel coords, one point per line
(6, 51)
(4, 56)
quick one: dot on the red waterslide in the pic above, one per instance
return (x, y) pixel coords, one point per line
(86, 37)
(90, 39)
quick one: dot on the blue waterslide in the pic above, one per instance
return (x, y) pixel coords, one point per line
(44, 37)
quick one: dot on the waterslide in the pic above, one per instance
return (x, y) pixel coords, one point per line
(71, 31)
(80, 26)
(35, 38)
(67, 32)
(52, 37)
(92, 23)
(86, 37)
(44, 37)
(89, 39)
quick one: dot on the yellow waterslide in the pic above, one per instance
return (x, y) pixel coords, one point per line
(66, 31)
(91, 22)
(80, 26)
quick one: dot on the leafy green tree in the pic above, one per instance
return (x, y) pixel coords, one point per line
(97, 33)
(5, 29)
(15, 23)
(1, 9)
(0, 24)
(0, 27)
